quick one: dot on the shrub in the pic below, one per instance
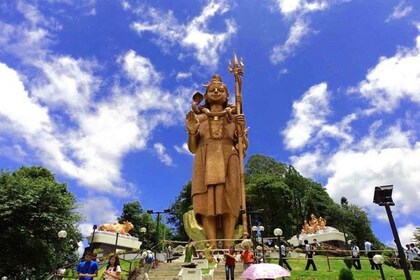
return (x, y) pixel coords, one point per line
(345, 274)
(348, 262)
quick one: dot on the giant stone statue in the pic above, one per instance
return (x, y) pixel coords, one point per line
(217, 138)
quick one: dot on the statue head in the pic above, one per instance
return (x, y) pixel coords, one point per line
(216, 91)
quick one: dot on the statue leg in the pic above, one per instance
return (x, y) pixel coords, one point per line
(209, 225)
(228, 222)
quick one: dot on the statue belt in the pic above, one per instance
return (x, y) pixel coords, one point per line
(224, 141)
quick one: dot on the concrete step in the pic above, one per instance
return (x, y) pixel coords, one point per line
(169, 271)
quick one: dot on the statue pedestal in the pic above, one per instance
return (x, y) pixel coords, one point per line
(328, 234)
(107, 241)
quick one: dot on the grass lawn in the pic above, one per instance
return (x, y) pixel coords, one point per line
(299, 273)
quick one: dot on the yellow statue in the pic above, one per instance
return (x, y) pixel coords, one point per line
(213, 130)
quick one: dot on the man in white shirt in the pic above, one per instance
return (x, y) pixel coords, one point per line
(370, 253)
(355, 254)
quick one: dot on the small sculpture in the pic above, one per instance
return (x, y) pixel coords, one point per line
(122, 229)
(314, 225)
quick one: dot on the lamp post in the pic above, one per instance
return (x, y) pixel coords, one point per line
(256, 230)
(379, 260)
(278, 233)
(116, 241)
(61, 235)
(92, 240)
(166, 211)
(383, 197)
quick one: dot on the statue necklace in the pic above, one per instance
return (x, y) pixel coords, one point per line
(217, 123)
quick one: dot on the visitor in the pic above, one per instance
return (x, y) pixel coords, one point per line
(88, 268)
(230, 260)
(169, 253)
(370, 253)
(284, 255)
(148, 256)
(113, 269)
(355, 254)
(247, 257)
(309, 249)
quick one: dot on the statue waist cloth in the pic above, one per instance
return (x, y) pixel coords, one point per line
(224, 141)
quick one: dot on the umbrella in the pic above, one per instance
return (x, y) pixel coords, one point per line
(265, 270)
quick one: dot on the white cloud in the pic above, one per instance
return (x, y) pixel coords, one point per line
(296, 33)
(406, 234)
(161, 153)
(195, 35)
(68, 83)
(139, 69)
(97, 210)
(299, 12)
(400, 11)
(183, 75)
(392, 80)
(183, 149)
(309, 115)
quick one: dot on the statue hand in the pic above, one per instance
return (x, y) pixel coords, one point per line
(192, 123)
(240, 119)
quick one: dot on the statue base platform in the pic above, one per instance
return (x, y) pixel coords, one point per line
(325, 235)
(108, 241)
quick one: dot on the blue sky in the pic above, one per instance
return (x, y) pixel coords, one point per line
(97, 91)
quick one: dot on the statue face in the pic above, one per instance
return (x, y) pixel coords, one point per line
(216, 93)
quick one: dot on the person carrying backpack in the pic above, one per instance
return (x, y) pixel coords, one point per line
(148, 257)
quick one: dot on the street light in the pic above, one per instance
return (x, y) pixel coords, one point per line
(166, 211)
(117, 231)
(61, 235)
(383, 197)
(278, 233)
(260, 229)
(92, 240)
(379, 260)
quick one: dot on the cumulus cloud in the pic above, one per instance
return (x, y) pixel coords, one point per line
(161, 153)
(57, 111)
(392, 80)
(309, 115)
(372, 150)
(194, 35)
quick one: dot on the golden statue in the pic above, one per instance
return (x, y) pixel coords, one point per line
(214, 129)
(314, 225)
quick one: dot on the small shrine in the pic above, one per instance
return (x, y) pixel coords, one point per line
(316, 228)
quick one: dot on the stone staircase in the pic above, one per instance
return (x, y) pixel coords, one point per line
(169, 271)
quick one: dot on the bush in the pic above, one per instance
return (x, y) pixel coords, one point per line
(348, 262)
(346, 274)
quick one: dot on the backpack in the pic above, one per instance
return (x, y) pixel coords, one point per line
(149, 258)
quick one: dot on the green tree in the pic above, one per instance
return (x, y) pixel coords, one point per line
(182, 204)
(270, 193)
(34, 207)
(133, 212)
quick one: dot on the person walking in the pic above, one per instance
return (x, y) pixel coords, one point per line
(284, 254)
(309, 249)
(355, 254)
(230, 260)
(370, 253)
(247, 257)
